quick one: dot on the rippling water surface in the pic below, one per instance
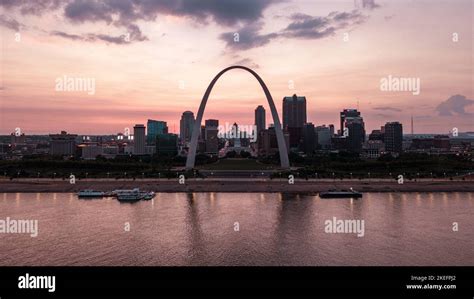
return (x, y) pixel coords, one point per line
(274, 229)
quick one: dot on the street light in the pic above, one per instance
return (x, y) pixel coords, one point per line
(87, 175)
(143, 175)
(54, 175)
(108, 174)
(351, 175)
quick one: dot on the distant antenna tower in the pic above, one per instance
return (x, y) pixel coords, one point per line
(357, 104)
(412, 125)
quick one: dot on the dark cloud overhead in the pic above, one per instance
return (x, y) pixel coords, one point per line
(91, 37)
(126, 13)
(247, 37)
(36, 7)
(302, 26)
(455, 105)
(245, 14)
(66, 35)
(93, 11)
(228, 12)
(10, 23)
(308, 27)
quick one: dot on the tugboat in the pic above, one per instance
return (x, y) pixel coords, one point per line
(341, 194)
(90, 194)
(149, 195)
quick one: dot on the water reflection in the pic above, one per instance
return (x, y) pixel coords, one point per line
(196, 252)
(274, 229)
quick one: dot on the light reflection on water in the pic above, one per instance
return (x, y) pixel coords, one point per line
(275, 229)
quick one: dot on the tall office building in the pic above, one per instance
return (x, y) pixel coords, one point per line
(345, 114)
(167, 144)
(309, 138)
(155, 128)
(211, 123)
(63, 144)
(260, 119)
(331, 130)
(294, 112)
(393, 137)
(139, 139)
(353, 129)
(186, 125)
(356, 136)
(323, 135)
(294, 117)
(211, 138)
(377, 134)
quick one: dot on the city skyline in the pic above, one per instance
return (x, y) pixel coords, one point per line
(162, 65)
(177, 131)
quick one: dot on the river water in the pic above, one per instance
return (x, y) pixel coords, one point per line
(240, 229)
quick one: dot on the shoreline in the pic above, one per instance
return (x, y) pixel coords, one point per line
(234, 185)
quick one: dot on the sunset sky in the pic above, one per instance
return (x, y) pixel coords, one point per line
(155, 59)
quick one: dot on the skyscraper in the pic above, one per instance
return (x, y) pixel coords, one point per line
(353, 129)
(323, 134)
(186, 125)
(347, 113)
(139, 139)
(331, 130)
(393, 137)
(309, 138)
(212, 140)
(294, 117)
(356, 134)
(167, 144)
(155, 128)
(260, 119)
(294, 111)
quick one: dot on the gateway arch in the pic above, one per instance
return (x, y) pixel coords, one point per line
(197, 124)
